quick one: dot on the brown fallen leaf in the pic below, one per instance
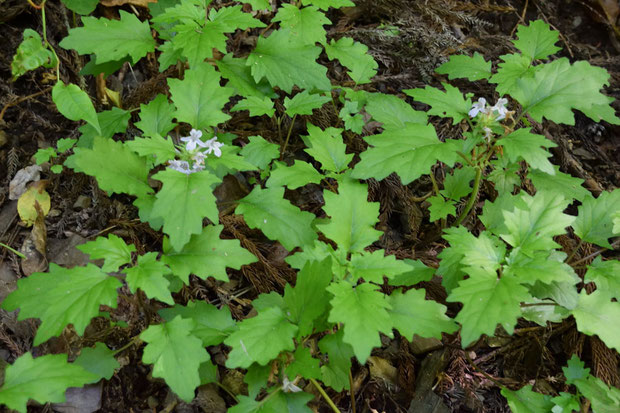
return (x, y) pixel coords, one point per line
(139, 3)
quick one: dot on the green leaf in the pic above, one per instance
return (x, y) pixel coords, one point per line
(184, 201)
(267, 210)
(176, 355)
(117, 168)
(256, 105)
(487, 302)
(31, 54)
(543, 312)
(353, 218)
(156, 149)
(558, 87)
(450, 267)
(62, 296)
(440, 208)
(393, 112)
(471, 68)
(156, 118)
(525, 400)
(533, 228)
(484, 252)
(260, 339)
(65, 144)
(603, 398)
(240, 78)
(199, 98)
(565, 294)
(278, 57)
(373, 266)
(111, 39)
(540, 267)
(355, 57)
(229, 163)
(307, 301)
(260, 152)
(336, 371)
(149, 276)
(257, 4)
(303, 365)
(233, 18)
(409, 151)
(305, 25)
(505, 175)
(606, 275)
(325, 4)
(74, 104)
(111, 121)
(113, 250)
(594, 221)
(297, 175)
(417, 273)
(327, 148)
(351, 117)
(207, 255)
(276, 402)
(565, 403)
(524, 145)
(257, 378)
(513, 68)
(208, 373)
(197, 41)
(44, 155)
(98, 360)
(412, 314)
(560, 183)
(304, 103)
(44, 379)
(537, 41)
(448, 104)
(212, 326)
(364, 312)
(595, 313)
(81, 6)
(458, 185)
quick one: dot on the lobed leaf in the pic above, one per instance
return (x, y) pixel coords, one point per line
(267, 210)
(176, 355)
(44, 379)
(62, 296)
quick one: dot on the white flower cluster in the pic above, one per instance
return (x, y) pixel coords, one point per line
(193, 144)
(499, 109)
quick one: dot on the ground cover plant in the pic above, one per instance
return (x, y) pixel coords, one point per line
(501, 260)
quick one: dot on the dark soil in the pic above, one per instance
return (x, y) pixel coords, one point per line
(429, 31)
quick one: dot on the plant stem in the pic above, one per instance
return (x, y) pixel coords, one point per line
(572, 254)
(472, 197)
(288, 135)
(352, 392)
(133, 341)
(14, 251)
(325, 396)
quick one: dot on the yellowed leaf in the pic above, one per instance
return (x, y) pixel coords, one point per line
(27, 203)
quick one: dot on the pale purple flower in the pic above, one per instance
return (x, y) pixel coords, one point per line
(288, 386)
(193, 140)
(487, 133)
(199, 158)
(500, 108)
(214, 146)
(478, 107)
(181, 166)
